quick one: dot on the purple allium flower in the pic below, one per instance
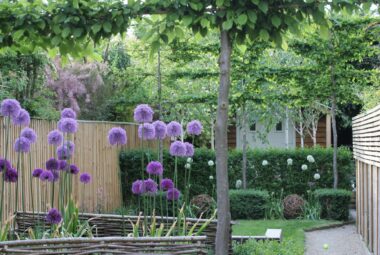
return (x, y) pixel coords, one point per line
(174, 129)
(55, 137)
(5, 164)
(11, 175)
(143, 113)
(117, 136)
(160, 129)
(167, 184)
(67, 125)
(70, 145)
(52, 164)
(68, 113)
(155, 168)
(22, 144)
(22, 118)
(138, 187)
(173, 194)
(189, 149)
(150, 186)
(178, 149)
(55, 175)
(146, 131)
(74, 169)
(37, 172)
(47, 176)
(62, 164)
(10, 108)
(29, 134)
(194, 127)
(85, 178)
(53, 216)
(63, 153)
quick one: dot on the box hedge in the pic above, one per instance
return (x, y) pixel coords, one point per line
(334, 203)
(273, 177)
(248, 204)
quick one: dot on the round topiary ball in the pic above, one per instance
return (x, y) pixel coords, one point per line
(292, 206)
(202, 205)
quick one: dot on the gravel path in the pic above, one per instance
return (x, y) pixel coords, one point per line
(341, 241)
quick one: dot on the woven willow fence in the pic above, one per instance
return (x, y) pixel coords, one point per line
(107, 245)
(366, 141)
(92, 154)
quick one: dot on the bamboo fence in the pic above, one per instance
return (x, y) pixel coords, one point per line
(93, 154)
(366, 144)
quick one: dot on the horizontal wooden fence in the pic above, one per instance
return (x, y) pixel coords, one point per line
(93, 154)
(366, 144)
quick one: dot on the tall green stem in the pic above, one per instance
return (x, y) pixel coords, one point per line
(22, 172)
(8, 121)
(31, 182)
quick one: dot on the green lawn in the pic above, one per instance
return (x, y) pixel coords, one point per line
(291, 229)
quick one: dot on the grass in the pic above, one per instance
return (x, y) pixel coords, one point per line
(291, 229)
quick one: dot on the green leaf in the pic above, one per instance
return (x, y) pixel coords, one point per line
(56, 29)
(77, 32)
(324, 31)
(264, 34)
(65, 32)
(96, 28)
(276, 21)
(242, 19)
(187, 20)
(219, 3)
(252, 16)
(227, 25)
(56, 40)
(18, 34)
(263, 6)
(76, 4)
(256, 2)
(107, 26)
(205, 22)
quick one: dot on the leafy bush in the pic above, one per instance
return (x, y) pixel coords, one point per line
(252, 247)
(248, 204)
(274, 208)
(334, 203)
(274, 177)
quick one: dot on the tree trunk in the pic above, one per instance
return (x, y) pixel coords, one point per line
(159, 94)
(223, 201)
(335, 140)
(212, 135)
(244, 166)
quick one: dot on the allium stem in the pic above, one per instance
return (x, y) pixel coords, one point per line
(52, 193)
(22, 175)
(31, 182)
(16, 191)
(8, 121)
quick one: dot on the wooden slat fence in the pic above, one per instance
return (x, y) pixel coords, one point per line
(366, 144)
(92, 154)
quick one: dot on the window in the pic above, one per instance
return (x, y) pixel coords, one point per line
(279, 126)
(252, 127)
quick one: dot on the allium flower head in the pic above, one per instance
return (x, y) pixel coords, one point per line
(210, 163)
(62, 164)
(11, 175)
(238, 184)
(310, 158)
(187, 165)
(167, 184)
(37, 172)
(138, 187)
(304, 167)
(150, 186)
(289, 161)
(317, 176)
(174, 129)
(53, 216)
(178, 149)
(173, 194)
(22, 144)
(211, 177)
(4, 164)
(55, 175)
(70, 145)
(74, 169)
(68, 125)
(52, 164)
(85, 178)
(10, 108)
(29, 134)
(265, 162)
(160, 129)
(55, 137)
(47, 176)
(194, 127)
(143, 113)
(155, 168)
(117, 136)
(22, 118)
(189, 149)
(63, 153)
(68, 113)
(189, 160)
(146, 131)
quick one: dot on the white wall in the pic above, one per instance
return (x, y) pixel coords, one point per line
(275, 139)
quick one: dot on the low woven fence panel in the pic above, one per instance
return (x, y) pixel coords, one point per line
(108, 245)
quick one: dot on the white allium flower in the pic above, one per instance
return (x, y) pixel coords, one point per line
(187, 166)
(289, 161)
(310, 158)
(189, 160)
(210, 163)
(211, 177)
(238, 184)
(317, 176)
(353, 185)
(264, 163)
(304, 167)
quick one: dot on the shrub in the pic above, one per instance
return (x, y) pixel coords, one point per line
(334, 203)
(248, 204)
(252, 247)
(203, 205)
(293, 206)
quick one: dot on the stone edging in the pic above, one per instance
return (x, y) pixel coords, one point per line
(335, 225)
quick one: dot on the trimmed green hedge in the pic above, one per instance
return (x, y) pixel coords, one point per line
(275, 176)
(334, 202)
(248, 204)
